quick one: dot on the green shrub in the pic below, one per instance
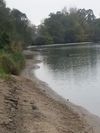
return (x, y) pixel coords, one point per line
(18, 57)
(8, 65)
(2, 72)
(15, 47)
(11, 63)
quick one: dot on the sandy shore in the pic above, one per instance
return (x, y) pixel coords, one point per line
(28, 105)
(93, 121)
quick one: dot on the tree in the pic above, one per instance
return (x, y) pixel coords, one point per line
(15, 26)
(75, 25)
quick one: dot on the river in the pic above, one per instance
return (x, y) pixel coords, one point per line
(73, 72)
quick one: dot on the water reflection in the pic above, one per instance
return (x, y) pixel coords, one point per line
(62, 59)
(74, 73)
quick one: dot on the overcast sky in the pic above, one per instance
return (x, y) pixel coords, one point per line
(37, 10)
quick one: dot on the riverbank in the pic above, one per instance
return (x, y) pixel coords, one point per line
(28, 105)
(93, 122)
(59, 45)
(25, 108)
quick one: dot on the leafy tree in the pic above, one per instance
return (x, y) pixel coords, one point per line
(75, 25)
(14, 26)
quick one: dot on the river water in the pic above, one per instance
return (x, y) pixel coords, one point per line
(73, 72)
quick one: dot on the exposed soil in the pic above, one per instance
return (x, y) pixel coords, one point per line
(29, 106)
(26, 109)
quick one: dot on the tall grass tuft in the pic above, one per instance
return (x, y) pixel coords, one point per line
(11, 62)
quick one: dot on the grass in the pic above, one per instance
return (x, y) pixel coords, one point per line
(2, 73)
(11, 63)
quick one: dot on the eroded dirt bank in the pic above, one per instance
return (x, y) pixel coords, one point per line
(26, 109)
(29, 106)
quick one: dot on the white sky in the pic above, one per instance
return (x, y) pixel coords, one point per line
(37, 10)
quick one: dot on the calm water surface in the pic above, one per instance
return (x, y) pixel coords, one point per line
(74, 73)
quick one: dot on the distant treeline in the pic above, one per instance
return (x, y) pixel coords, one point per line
(74, 25)
(66, 26)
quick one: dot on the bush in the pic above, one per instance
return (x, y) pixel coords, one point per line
(18, 57)
(43, 40)
(8, 65)
(2, 72)
(15, 47)
(4, 40)
(12, 63)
